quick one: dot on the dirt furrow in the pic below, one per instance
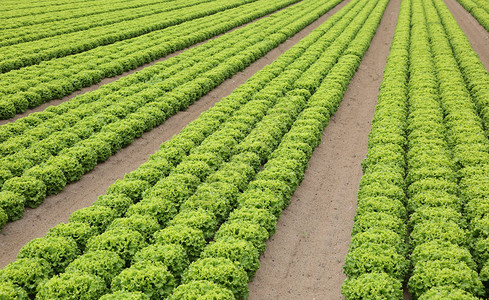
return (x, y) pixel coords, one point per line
(304, 259)
(57, 208)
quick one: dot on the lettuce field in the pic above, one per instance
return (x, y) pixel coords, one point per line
(244, 149)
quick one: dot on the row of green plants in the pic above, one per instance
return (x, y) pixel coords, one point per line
(39, 31)
(15, 9)
(167, 225)
(26, 16)
(442, 262)
(52, 12)
(32, 53)
(465, 123)
(475, 74)
(34, 85)
(425, 172)
(42, 160)
(479, 9)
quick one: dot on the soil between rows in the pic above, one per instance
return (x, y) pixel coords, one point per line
(57, 208)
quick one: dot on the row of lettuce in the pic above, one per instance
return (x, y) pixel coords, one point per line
(479, 9)
(427, 162)
(31, 86)
(50, 149)
(16, 35)
(46, 10)
(21, 55)
(191, 222)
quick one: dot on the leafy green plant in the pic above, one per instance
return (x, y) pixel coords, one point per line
(446, 293)
(447, 273)
(378, 220)
(132, 188)
(8, 290)
(262, 199)
(253, 233)
(237, 250)
(438, 230)
(175, 188)
(85, 156)
(146, 225)
(72, 286)
(221, 271)
(80, 232)
(125, 295)
(71, 168)
(57, 251)
(379, 236)
(104, 264)
(258, 216)
(200, 219)
(201, 289)
(33, 190)
(372, 285)
(441, 250)
(191, 239)
(158, 208)
(119, 203)
(371, 258)
(52, 177)
(98, 217)
(124, 242)
(149, 277)
(382, 204)
(3, 217)
(173, 256)
(12, 204)
(27, 273)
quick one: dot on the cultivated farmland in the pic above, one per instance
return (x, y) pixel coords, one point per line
(245, 149)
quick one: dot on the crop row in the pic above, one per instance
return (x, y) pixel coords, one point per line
(40, 31)
(142, 235)
(14, 17)
(427, 158)
(31, 86)
(479, 9)
(50, 154)
(470, 144)
(475, 74)
(31, 53)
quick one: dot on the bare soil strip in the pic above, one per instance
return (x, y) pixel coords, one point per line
(112, 79)
(57, 208)
(304, 259)
(477, 35)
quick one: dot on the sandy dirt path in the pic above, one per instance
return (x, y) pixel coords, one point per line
(57, 208)
(477, 35)
(304, 259)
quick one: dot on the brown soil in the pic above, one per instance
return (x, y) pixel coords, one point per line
(477, 35)
(304, 259)
(57, 208)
